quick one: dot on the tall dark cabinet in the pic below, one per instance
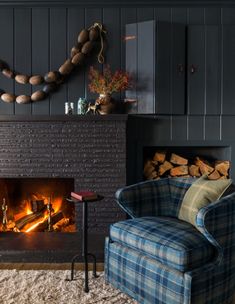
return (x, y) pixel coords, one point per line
(181, 69)
(155, 57)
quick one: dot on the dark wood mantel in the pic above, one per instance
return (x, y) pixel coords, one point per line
(63, 118)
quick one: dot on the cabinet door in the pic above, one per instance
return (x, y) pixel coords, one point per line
(155, 55)
(228, 46)
(204, 69)
(170, 68)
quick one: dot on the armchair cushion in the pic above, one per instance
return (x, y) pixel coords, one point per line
(172, 242)
(201, 193)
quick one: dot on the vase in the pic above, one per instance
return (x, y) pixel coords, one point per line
(105, 104)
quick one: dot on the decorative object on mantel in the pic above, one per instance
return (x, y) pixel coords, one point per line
(82, 106)
(105, 84)
(86, 43)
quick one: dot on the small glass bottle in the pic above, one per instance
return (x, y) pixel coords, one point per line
(69, 108)
(81, 106)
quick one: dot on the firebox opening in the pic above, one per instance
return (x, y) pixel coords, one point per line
(36, 205)
(180, 161)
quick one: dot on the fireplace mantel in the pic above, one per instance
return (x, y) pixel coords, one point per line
(72, 118)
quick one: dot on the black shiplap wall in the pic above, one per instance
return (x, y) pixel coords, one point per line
(36, 40)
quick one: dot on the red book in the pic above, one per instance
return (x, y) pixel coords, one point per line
(84, 195)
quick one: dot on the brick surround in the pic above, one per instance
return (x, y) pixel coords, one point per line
(92, 150)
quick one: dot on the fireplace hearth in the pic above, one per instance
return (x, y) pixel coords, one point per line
(36, 204)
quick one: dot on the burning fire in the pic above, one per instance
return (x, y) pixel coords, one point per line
(36, 224)
(40, 213)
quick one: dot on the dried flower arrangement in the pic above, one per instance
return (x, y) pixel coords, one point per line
(108, 82)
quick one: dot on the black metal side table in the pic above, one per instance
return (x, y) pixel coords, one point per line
(85, 253)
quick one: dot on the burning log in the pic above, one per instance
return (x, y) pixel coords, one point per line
(37, 205)
(29, 218)
(56, 217)
(61, 224)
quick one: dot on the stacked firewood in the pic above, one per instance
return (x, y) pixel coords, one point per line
(162, 165)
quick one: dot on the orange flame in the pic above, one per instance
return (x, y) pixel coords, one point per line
(36, 224)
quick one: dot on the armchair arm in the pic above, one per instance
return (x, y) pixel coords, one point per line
(217, 223)
(145, 198)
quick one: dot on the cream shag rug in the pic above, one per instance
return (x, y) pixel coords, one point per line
(48, 286)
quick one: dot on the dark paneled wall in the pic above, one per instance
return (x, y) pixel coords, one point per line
(35, 40)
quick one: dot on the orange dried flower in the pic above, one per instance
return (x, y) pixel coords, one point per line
(108, 82)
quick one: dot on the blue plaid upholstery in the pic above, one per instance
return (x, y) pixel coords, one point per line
(152, 198)
(143, 278)
(134, 266)
(172, 242)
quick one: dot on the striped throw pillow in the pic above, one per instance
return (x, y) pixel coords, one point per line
(200, 194)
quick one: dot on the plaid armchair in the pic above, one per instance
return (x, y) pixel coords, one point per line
(157, 258)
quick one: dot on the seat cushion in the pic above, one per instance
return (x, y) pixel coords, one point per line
(172, 242)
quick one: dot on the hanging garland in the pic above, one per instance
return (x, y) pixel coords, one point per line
(53, 79)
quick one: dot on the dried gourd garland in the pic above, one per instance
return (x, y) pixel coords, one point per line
(52, 79)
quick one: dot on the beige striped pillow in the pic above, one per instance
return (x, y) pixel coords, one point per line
(200, 194)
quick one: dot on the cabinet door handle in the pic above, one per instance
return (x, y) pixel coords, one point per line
(180, 68)
(193, 69)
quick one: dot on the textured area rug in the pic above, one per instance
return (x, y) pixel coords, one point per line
(48, 286)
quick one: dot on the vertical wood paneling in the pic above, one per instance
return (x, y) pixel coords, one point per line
(75, 85)
(228, 69)
(22, 51)
(40, 54)
(196, 61)
(163, 14)
(228, 14)
(43, 42)
(212, 128)
(163, 69)
(227, 128)
(111, 20)
(196, 15)
(195, 127)
(179, 15)
(146, 66)
(131, 60)
(58, 54)
(6, 54)
(92, 15)
(213, 69)
(179, 128)
(145, 14)
(178, 78)
(212, 15)
(127, 15)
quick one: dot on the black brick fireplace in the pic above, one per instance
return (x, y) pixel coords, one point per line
(89, 149)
